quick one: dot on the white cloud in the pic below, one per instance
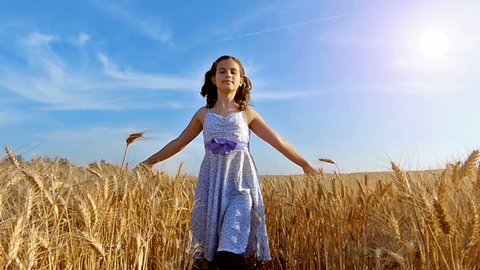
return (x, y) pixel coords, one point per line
(36, 39)
(142, 80)
(48, 78)
(8, 116)
(82, 39)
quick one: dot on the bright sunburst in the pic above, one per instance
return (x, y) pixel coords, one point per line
(434, 43)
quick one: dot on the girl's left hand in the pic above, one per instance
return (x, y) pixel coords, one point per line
(309, 170)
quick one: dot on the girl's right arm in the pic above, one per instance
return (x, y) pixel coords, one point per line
(189, 133)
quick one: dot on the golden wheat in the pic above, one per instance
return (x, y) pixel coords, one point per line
(443, 219)
(56, 215)
(130, 139)
(95, 244)
(15, 242)
(470, 164)
(12, 157)
(474, 232)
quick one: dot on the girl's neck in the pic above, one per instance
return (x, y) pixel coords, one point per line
(225, 107)
(226, 102)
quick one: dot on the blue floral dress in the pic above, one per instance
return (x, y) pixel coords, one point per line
(229, 212)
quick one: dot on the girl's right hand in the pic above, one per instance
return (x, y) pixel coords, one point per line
(143, 166)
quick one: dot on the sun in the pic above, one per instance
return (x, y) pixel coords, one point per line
(434, 43)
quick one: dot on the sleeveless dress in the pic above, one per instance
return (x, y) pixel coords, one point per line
(229, 211)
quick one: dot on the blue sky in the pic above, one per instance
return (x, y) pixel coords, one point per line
(346, 80)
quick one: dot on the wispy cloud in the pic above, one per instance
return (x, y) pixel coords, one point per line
(50, 79)
(82, 39)
(37, 39)
(152, 27)
(141, 80)
(8, 116)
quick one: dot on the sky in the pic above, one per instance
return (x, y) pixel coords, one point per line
(360, 82)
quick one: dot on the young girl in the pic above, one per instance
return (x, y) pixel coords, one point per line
(228, 221)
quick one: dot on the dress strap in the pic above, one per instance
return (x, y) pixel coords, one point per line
(206, 115)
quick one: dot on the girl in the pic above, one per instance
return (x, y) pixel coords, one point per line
(228, 221)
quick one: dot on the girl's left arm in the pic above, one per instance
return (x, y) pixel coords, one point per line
(266, 133)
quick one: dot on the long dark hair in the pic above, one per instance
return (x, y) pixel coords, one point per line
(209, 90)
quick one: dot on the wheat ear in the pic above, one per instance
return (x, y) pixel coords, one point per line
(474, 229)
(12, 157)
(15, 241)
(93, 210)
(130, 139)
(442, 217)
(470, 164)
(94, 243)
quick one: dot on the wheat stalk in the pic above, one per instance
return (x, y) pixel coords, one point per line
(85, 213)
(474, 228)
(442, 217)
(144, 223)
(15, 241)
(401, 179)
(125, 189)
(396, 229)
(28, 204)
(130, 139)
(12, 157)
(94, 172)
(37, 184)
(94, 243)
(106, 189)
(140, 251)
(179, 170)
(32, 250)
(397, 258)
(327, 160)
(470, 164)
(1, 202)
(93, 210)
(330, 161)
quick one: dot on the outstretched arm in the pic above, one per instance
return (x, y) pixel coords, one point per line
(189, 133)
(266, 133)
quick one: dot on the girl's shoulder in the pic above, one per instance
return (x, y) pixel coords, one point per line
(203, 110)
(200, 114)
(250, 114)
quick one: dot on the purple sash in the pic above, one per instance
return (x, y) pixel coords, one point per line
(222, 146)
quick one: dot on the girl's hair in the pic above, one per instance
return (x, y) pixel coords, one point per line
(209, 90)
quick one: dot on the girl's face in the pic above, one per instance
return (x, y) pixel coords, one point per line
(228, 77)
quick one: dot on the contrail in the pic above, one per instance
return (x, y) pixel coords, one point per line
(283, 27)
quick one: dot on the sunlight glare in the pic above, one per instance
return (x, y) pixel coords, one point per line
(434, 43)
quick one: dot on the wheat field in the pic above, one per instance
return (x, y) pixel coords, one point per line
(55, 215)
